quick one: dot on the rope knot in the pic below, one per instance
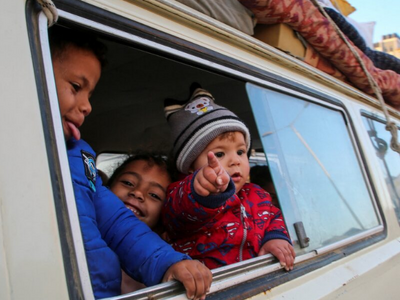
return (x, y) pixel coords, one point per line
(392, 128)
(48, 5)
(50, 11)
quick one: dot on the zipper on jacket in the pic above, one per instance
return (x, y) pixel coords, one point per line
(243, 217)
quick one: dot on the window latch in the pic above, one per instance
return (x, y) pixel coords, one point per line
(304, 240)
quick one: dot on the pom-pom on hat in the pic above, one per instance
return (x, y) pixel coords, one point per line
(197, 122)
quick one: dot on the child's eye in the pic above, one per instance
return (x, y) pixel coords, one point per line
(155, 196)
(241, 152)
(128, 183)
(219, 154)
(76, 86)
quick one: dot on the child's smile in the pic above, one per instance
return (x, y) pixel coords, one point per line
(134, 209)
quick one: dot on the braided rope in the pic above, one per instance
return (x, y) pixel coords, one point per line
(50, 10)
(390, 125)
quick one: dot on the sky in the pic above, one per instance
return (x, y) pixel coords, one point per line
(386, 14)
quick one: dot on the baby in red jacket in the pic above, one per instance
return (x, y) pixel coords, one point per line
(213, 214)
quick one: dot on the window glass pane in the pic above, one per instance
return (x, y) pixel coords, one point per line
(388, 159)
(315, 169)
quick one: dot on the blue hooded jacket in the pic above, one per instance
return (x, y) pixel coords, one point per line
(113, 237)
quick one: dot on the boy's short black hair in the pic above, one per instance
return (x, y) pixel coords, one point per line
(152, 159)
(60, 37)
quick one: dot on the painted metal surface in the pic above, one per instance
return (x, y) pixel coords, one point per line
(31, 264)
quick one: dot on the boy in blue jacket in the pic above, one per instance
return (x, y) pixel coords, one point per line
(113, 237)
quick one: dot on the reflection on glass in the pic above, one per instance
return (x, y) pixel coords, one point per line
(314, 166)
(389, 159)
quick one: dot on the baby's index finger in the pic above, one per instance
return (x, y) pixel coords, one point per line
(213, 161)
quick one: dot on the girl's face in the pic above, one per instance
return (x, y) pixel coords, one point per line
(142, 188)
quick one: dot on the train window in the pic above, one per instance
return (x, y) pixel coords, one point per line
(388, 159)
(316, 171)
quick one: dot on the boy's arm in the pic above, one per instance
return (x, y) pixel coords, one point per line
(112, 232)
(142, 253)
(189, 208)
(277, 227)
(276, 239)
(185, 211)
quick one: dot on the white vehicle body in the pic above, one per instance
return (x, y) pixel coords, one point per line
(42, 255)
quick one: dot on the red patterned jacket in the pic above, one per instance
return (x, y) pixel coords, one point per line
(221, 229)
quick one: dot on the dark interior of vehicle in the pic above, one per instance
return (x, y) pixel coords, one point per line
(128, 103)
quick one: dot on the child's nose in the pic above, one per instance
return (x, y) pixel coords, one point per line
(137, 194)
(234, 160)
(85, 106)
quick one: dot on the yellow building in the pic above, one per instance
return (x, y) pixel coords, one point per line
(390, 43)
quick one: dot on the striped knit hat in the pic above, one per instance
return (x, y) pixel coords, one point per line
(196, 123)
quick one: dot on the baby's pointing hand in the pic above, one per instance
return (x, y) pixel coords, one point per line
(212, 178)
